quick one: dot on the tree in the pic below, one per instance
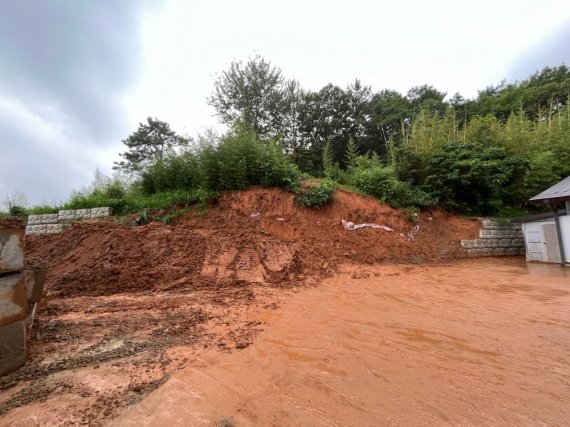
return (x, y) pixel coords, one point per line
(149, 144)
(15, 203)
(390, 111)
(255, 94)
(427, 97)
(333, 115)
(351, 154)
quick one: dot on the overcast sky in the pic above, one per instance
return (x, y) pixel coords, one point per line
(77, 76)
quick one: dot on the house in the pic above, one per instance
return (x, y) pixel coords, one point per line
(547, 236)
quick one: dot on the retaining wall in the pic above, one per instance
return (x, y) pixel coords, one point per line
(21, 288)
(56, 223)
(496, 239)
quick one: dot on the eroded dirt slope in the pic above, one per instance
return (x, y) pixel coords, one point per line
(125, 306)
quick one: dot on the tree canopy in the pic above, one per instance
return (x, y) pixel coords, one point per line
(254, 93)
(479, 155)
(149, 143)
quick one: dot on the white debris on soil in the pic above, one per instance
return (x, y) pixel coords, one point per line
(351, 226)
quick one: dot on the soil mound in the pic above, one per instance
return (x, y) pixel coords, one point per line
(255, 236)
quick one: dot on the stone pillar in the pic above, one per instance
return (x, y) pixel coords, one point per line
(568, 208)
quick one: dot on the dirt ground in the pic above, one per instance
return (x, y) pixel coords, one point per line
(126, 307)
(471, 343)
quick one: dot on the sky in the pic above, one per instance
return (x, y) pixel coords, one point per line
(77, 76)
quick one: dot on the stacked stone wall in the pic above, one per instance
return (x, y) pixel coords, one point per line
(56, 223)
(21, 288)
(496, 239)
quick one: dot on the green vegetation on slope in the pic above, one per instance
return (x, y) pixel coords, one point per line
(486, 155)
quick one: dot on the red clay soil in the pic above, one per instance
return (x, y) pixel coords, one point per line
(126, 306)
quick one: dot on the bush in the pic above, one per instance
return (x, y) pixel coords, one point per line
(473, 178)
(381, 182)
(238, 161)
(18, 211)
(409, 166)
(315, 196)
(241, 160)
(175, 172)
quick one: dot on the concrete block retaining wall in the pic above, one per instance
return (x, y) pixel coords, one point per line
(56, 223)
(11, 248)
(21, 288)
(496, 239)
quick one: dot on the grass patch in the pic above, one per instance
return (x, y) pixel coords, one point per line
(133, 203)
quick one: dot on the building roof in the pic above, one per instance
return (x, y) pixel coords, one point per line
(538, 217)
(559, 192)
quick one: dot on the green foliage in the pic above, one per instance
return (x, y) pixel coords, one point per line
(331, 169)
(255, 94)
(43, 209)
(144, 217)
(177, 213)
(332, 116)
(174, 172)
(471, 177)
(351, 154)
(18, 211)
(381, 182)
(413, 214)
(328, 160)
(133, 202)
(241, 160)
(315, 196)
(539, 96)
(486, 155)
(409, 166)
(150, 143)
(540, 174)
(237, 161)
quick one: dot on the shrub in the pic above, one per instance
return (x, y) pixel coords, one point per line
(381, 182)
(241, 160)
(18, 211)
(471, 177)
(315, 196)
(175, 172)
(409, 166)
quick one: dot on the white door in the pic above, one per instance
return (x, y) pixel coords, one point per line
(534, 240)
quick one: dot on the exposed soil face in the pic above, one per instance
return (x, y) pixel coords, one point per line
(126, 307)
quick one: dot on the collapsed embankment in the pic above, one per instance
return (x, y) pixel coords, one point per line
(127, 305)
(254, 236)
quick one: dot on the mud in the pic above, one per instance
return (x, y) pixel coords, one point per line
(473, 343)
(128, 307)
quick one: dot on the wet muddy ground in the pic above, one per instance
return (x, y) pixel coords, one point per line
(482, 342)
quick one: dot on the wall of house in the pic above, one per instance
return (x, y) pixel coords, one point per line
(547, 249)
(565, 230)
